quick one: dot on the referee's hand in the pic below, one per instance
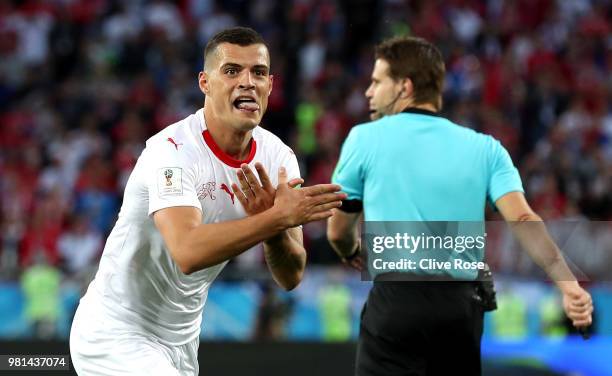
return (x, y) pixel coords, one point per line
(578, 305)
(354, 260)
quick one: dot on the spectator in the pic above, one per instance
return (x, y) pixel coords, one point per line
(41, 287)
(79, 247)
(77, 104)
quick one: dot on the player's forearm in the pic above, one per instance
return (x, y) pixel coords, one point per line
(286, 259)
(534, 238)
(210, 244)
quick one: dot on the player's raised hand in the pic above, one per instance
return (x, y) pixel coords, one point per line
(254, 196)
(299, 206)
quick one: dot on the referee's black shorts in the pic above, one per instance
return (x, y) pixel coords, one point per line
(420, 328)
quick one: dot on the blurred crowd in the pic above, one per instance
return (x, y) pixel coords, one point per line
(83, 84)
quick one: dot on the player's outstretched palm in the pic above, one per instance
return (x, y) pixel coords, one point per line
(299, 206)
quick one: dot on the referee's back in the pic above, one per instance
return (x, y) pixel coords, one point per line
(418, 166)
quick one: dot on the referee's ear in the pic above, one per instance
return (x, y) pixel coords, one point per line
(407, 88)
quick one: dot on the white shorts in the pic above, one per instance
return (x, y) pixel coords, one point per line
(99, 346)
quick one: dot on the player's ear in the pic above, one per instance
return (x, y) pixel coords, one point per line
(203, 82)
(271, 83)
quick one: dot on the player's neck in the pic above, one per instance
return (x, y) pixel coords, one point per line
(231, 141)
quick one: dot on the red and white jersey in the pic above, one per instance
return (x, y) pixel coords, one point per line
(138, 284)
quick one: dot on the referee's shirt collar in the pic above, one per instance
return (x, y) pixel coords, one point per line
(419, 111)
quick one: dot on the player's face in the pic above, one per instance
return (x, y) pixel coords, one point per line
(238, 84)
(383, 91)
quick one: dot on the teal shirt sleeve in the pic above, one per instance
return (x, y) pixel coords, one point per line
(504, 177)
(349, 172)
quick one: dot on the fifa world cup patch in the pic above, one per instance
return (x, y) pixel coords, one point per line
(169, 181)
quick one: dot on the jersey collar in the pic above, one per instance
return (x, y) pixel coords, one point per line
(419, 111)
(224, 157)
(220, 154)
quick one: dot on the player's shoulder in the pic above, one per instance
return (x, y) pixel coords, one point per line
(269, 142)
(182, 137)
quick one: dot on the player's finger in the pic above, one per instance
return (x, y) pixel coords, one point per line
(328, 197)
(295, 182)
(319, 216)
(244, 184)
(320, 189)
(327, 206)
(282, 176)
(239, 195)
(264, 178)
(250, 176)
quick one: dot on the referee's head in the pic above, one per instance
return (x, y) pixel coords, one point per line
(408, 71)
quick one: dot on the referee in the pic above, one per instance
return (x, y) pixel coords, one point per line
(410, 164)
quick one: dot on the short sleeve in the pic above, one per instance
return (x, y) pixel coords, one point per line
(290, 163)
(504, 177)
(349, 172)
(171, 179)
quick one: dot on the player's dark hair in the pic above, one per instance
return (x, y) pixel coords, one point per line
(242, 36)
(418, 60)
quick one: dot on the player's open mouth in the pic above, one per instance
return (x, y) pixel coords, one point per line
(246, 103)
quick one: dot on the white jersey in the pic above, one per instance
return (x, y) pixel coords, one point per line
(138, 284)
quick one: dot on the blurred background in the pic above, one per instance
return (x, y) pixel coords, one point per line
(83, 84)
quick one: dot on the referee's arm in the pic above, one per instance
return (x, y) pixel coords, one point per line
(531, 232)
(343, 233)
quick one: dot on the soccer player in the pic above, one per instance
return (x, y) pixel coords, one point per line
(184, 217)
(411, 164)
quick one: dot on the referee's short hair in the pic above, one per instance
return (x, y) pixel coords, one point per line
(242, 36)
(418, 60)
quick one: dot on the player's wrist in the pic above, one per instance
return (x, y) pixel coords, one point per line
(278, 219)
(276, 239)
